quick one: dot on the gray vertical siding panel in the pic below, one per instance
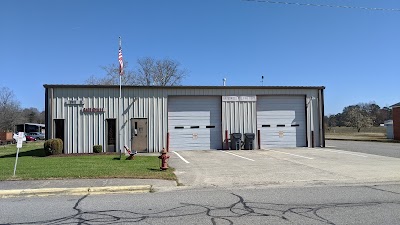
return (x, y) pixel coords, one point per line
(102, 120)
(238, 117)
(149, 104)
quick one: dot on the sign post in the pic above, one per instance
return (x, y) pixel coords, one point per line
(19, 138)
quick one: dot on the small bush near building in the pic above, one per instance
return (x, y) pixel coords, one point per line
(97, 148)
(53, 146)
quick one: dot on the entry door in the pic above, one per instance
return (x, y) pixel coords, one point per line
(139, 134)
(59, 130)
(111, 135)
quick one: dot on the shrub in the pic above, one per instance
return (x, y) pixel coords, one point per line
(47, 147)
(53, 146)
(97, 148)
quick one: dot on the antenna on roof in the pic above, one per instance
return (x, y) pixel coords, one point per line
(224, 82)
(262, 80)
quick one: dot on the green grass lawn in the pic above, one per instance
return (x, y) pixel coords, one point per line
(346, 130)
(32, 164)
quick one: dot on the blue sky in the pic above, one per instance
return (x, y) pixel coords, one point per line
(354, 53)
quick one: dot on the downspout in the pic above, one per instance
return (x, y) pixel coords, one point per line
(322, 117)
(46, 112)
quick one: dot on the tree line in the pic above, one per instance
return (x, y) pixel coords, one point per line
(148, 71)
(359, 116)
(11, 112)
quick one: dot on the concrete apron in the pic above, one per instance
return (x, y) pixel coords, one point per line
(295, 166)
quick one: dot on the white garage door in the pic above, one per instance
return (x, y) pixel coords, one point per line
(281, 121)
(194, 122)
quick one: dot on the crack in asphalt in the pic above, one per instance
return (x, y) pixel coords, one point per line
(239, 209)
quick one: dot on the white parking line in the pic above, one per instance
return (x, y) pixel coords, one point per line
(238, 156)
(290, 154)
(181, 157)
(342, 152)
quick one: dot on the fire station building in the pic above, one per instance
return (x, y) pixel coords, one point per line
(150, 118)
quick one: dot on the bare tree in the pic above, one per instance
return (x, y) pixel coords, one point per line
(145, 72)
(165, 72)
(150, 71)
(9, 110)
(112, 76)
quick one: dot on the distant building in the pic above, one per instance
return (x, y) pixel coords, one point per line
(30, 127)
(389, 129)
(396, 121)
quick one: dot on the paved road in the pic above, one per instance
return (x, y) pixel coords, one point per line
(375, 148)
(302, 205)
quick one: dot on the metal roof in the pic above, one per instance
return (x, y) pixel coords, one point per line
(179, 87)
(395, 105)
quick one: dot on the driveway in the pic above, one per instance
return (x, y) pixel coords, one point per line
(291, 166)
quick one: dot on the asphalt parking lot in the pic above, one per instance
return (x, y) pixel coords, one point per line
(289, 166)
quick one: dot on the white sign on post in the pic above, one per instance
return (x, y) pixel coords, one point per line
(20, 138)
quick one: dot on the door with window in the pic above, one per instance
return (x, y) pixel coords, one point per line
(139, 134)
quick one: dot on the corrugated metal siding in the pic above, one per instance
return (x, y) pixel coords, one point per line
(83, 130)
(239, 117)
(313, 120)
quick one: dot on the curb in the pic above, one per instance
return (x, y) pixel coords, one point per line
(75, 191)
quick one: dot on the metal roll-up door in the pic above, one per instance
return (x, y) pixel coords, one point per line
(281, 121)
(194, 122)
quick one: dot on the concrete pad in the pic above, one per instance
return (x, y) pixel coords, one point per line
(282, 166)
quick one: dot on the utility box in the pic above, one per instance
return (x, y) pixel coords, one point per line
(249, 141)
(236, 141)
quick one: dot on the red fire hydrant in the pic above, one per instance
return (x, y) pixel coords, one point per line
(164, 159)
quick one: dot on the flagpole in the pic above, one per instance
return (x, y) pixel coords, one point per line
(119, 105)
(120, 75)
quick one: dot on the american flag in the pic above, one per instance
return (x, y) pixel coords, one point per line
(121, 62)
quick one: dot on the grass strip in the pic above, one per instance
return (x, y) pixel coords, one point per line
(32, 164)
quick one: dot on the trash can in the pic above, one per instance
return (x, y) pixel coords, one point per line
(236, 140)
(248, 141)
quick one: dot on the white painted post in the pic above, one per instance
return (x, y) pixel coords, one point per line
(19, 138)
(16, 161)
